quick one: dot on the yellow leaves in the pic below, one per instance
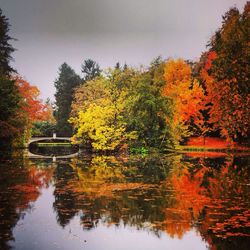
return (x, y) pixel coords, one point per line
(100, 125)
(97, 114)
(177, 71)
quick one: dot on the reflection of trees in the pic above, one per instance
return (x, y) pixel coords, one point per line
(187, 200)
(174, 195)
(225, 221)
(65, 200)
(212, 197)
(112, 192)
(187, 203)
(20, 184)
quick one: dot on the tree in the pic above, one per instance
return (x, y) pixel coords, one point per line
(187, 97)
(8, 92)
(43, 128)
(90, 92)
(65, 84)
(90, 70)
(30, 102)
(31, 109)
(98, 120)
(146, 108)
(96, 125)
(121, 106)
(226, 75)
(6, 49)
(9, 104)
(118, 65)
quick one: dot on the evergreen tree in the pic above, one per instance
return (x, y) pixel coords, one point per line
(117, 65)
(90, 70)
(65, 84)
(6, 48)
(8, 92)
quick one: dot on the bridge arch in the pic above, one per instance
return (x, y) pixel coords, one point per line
(37, 139)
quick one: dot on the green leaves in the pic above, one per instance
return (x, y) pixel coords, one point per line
(124, 106)
(65, 84)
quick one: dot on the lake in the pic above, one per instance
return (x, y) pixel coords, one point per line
(178, 201)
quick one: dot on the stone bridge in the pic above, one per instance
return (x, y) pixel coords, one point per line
(37, 139)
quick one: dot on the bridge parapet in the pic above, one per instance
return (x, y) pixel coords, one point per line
(36, 139)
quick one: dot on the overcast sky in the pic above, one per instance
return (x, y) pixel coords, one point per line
(51, 32)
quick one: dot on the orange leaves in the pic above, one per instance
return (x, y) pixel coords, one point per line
(187, 203)
(210, 58)
(176, 71)
(189, 192)
(209, 142)
(186, 94)
(30, 110)
(228, 107)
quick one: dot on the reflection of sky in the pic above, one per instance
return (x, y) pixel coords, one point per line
(50, 32)
(39, 230)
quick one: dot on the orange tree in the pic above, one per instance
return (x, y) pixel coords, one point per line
(31, 109)
(187, 97)
(226, 76)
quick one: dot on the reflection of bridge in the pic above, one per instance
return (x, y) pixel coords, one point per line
(37, 139)
(30, 155)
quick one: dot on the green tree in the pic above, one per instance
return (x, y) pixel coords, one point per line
(43, 128)
(90, 70)
(9, 101)
(65, 84)
(121, 106)
(147, 108)
(6, 49)
(9, 104)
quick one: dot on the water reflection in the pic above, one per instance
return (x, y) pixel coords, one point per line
(21, 182)
(199, 201)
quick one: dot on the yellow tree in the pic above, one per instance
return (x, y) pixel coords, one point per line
(97, 116)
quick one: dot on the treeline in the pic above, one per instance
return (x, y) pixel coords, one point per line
(124, 107)
(165, 103)
(20, 106)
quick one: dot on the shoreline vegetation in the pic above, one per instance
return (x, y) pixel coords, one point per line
(212, 145)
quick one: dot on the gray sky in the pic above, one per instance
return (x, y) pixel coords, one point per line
(51, 32)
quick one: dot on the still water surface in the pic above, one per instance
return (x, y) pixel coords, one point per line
(108, 203)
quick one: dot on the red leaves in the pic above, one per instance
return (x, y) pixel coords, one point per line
(30, 104)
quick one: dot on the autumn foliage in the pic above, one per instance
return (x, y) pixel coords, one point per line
(187, 97)
(30, 102)
(31, 109)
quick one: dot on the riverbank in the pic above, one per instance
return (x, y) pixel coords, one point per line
(213, 144)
